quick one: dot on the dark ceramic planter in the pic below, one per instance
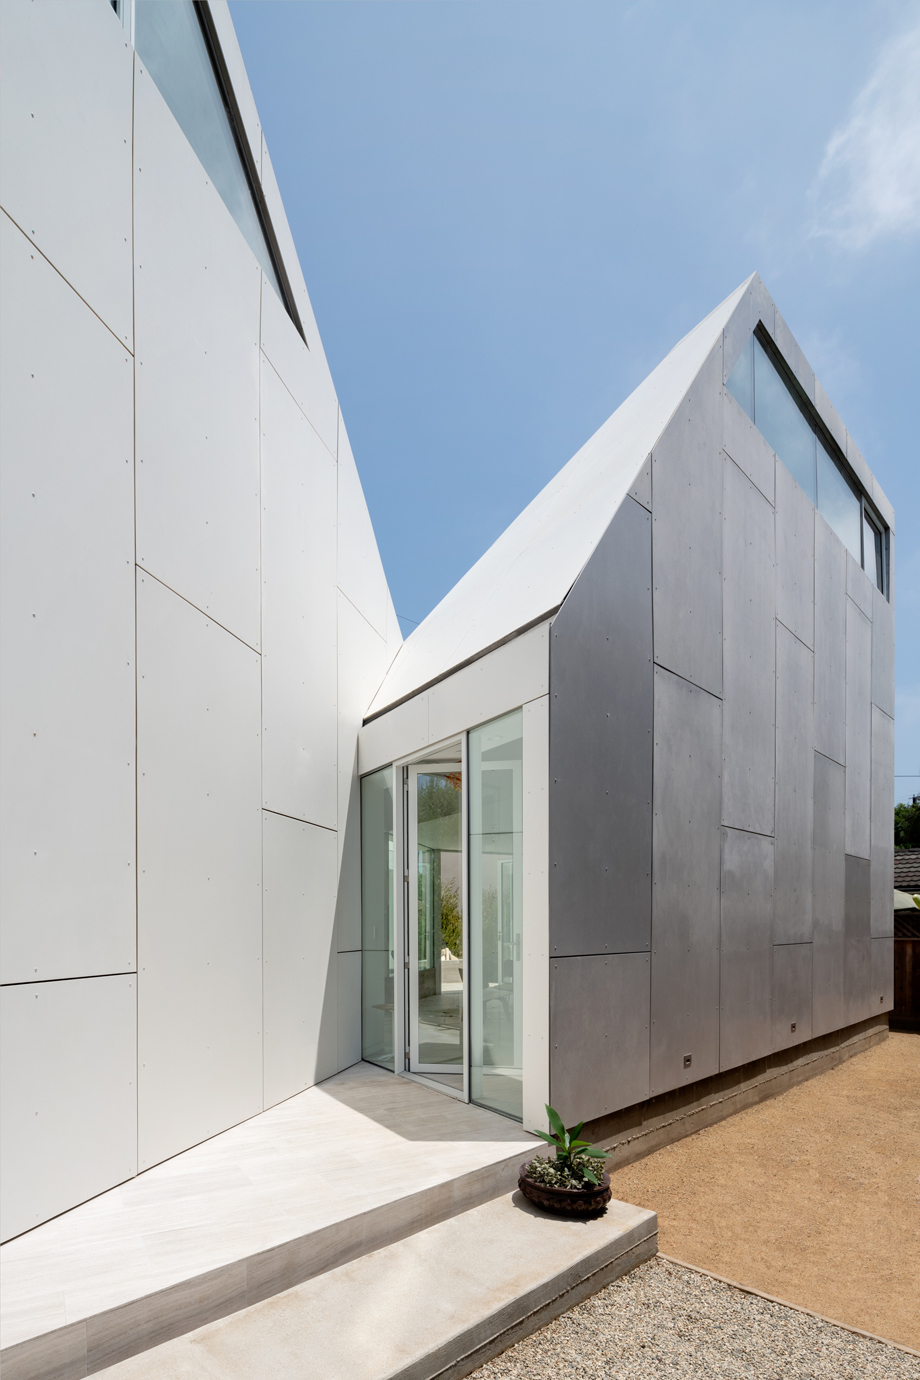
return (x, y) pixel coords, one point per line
(567, 1202)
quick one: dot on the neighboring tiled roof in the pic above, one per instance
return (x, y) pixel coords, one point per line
(907, 869)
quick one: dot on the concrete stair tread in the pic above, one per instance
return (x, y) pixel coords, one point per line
(438, 1303)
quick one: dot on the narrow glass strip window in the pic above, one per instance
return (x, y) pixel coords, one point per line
(782, 422)
(378, 900)
(873, 552)
(170, 42)
(496, 914)
(837, 502)
(741, 380)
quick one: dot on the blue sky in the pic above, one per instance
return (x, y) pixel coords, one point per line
(508, 212)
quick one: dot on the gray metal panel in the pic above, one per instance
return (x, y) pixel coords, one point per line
(686, 869)
(748, 657)
(746, 948)
(881, 832)
(859, 586)
(599, 1017)
(746, 446)
(830, 642)
(792, 979)
(641, 490)
(882, 653)
(859, 730)
(794, 790)
(795, 557)
(791, 352)
(601, 700)
(829, 1007)
(756, 305)
(882, 994)
(830, 416)
(858, 977)
(687, 534)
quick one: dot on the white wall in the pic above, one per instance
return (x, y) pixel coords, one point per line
(153, 382)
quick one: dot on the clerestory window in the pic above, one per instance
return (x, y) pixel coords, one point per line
(174, 41)
(762, 385)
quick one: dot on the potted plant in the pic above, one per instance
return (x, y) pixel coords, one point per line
(574, 1182)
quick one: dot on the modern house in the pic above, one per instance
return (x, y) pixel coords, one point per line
(613, 824)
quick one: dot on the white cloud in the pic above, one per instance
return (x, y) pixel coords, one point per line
(868, 184)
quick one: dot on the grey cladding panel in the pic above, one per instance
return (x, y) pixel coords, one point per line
(859, 586)
(795, 557)
(829, 1006)
(858, 729)
(686, 871)
(830, 642)
(792, 979)
(882, 653)
(882, 993)
(857, 979)
(748, 657)
(792, 893)
(601, 699)
(881, 831)
(746, 446)
(641, 490)
(687, 534)
(599, 1034)
(756, 305)
(747, 947)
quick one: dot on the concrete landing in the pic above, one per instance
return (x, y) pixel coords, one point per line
(340, 1170)
(436, 1305)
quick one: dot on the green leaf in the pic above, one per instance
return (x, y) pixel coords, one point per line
(575, 1131)
(555, 1121)
(550, 1140)
(590, 1177)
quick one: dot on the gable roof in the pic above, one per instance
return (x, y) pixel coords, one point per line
(527, 573)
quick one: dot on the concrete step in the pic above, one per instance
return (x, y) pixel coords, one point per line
(435, 1305)
(255, 1211)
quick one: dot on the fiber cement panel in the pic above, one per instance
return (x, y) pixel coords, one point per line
(601, 704)
(601, 1004)
(687, 533)
(743, 442)
(882, 653)
(859, 731)
(795, 557)
(858, 979)
(748, 655)
(881, 997)
(794, 789)
(686, 869)
(829, 1006)
(830, 642)
(746, 948)
(792, 996)
(881, 840)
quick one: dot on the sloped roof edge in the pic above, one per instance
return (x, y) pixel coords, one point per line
(532, 566)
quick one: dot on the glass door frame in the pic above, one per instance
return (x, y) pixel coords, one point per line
(406, 950)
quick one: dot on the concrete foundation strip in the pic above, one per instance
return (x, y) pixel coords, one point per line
(770, 1298)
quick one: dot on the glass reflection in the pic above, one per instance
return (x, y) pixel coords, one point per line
(781, 421)
(837, 502)
(496, 914)
(439, 919)
(377, 917)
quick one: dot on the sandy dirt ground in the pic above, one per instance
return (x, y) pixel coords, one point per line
(813, 1197)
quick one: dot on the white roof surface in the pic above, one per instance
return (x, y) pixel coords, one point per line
(532, 566)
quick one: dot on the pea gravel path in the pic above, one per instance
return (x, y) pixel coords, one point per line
(663, 1321)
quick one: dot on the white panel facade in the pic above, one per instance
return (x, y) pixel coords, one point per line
(881, 843)
(299, 959)
(795, 557)
(362, 662)
(348, 1009)
(497, 683)
(859, 730)
(859, 587)
(743, 442)
(304, 371)
(200, 886)
(65, 146)
(67, 613)
(197, 291)
(69, 1102)
(360, 574)
(298, 612)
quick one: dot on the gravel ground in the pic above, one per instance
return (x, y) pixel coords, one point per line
(661, 1321)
